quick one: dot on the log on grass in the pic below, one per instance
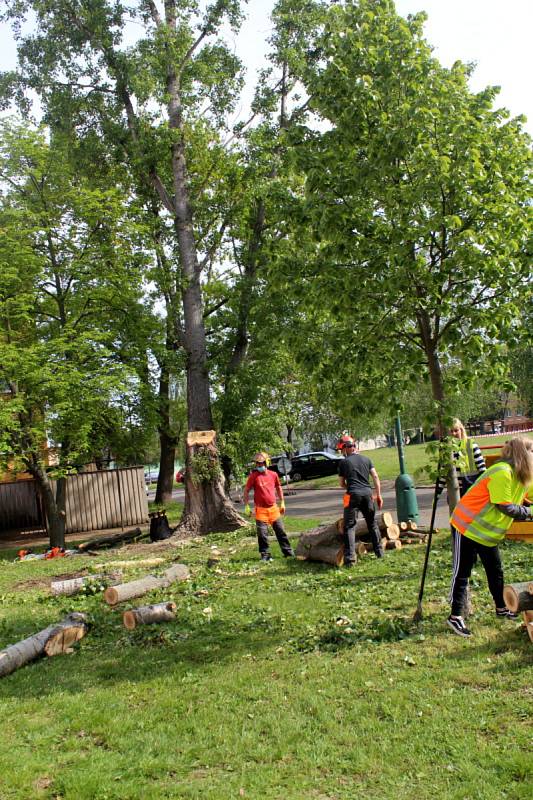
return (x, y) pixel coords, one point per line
(383, 519)
(125, 537)
(391, 532)
(324, 543)
(393, 544)
(57, 638)
(75, 585)
(517, 597)
(149, 615)
(413, 535)
(126, 591)
(528, 621)
(360, 548)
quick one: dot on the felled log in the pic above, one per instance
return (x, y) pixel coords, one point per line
(528, 620)
(149, 615)
(125, 591)
(411, 525)
(383, 519)
(360, 548)
(75, 585)
(99, 543)
(391, 532)
(51, 641)
(393, 544)
(518, 597)
(413, 535)
(324, 543)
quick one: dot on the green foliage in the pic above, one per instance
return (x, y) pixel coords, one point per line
(69, 287)
(418, 194)
(204, 466)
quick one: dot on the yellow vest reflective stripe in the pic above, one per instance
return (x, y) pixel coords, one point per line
(479, 519)
(466, 461)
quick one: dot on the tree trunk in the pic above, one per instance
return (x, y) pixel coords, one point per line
(51, 641)
(324, 543)
(125, 591)
(207, 507)
(518, 597)
(167, 442)
(148, 615)
(53, 505)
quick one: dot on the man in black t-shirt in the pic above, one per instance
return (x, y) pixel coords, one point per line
(354, 477)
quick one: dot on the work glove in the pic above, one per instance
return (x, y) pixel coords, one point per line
(247, 510)
(282, 507)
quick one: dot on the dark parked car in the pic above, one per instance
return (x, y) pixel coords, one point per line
(313, 465)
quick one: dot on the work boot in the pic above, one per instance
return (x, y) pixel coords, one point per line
(266, 557)
(289, 554)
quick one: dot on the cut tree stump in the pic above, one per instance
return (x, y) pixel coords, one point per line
(54, 640)
(324, 543)
(149, 615)
(126, 591)
(517, 597)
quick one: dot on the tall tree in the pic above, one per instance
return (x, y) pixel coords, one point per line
(419, 193)
(169, 90)
(68, 277)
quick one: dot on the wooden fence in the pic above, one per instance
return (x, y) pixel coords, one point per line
(94, 501)
(20, 508)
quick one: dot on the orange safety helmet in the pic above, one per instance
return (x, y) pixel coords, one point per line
(345, 441)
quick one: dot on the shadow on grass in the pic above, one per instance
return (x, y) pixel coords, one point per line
(116, 656)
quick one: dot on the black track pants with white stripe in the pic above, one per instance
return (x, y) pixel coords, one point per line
(465, 551)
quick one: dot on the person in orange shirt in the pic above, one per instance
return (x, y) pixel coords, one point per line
(266, 488)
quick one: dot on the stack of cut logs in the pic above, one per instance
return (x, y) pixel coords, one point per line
(519, 599)
(326, 542)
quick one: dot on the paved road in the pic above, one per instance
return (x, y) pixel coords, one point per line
(327, 503)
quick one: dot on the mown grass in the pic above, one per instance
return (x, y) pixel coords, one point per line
(285, 680)
(385, 460)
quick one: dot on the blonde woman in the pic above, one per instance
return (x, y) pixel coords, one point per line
(482, 517)
(469, 461)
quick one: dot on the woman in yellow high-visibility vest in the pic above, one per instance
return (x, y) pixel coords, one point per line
(482, 517)
(468, 458)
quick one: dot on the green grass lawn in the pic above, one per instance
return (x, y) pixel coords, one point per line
(284, 680)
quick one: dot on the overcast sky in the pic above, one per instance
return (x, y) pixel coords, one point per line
(494, 34)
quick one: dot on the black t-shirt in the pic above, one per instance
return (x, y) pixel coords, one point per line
(355, 469)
